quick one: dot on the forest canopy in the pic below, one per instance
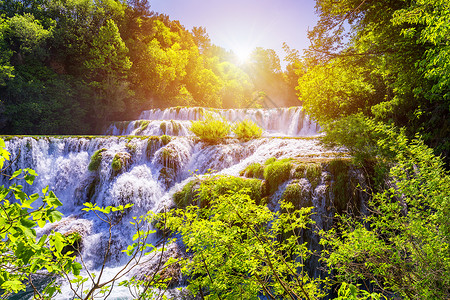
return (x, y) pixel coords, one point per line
(73, 66)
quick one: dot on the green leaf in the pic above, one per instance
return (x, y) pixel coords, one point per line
(76, 268)
(54, 215)
(27, 223)
(13, 285)
(15, 174)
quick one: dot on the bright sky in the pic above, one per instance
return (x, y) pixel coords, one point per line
(242, 25)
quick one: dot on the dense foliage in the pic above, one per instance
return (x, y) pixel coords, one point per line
(387, 60)
(70, 67)
(241, 249)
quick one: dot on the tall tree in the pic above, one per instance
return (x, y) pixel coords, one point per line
(108, 64)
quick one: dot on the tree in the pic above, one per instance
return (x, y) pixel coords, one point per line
(108, 65)
(26, 258)
(24, 35)
(384, 43)
(241, 249)
(402, 246)
(23, 257)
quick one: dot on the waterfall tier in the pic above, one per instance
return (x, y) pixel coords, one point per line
(176, 121)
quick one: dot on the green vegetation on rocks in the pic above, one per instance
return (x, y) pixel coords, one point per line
(276, 172)
(201, 192)
(211, 130)
(120, 161)
(297, 195)
(247, 130)
(254, 170)
(96, 160)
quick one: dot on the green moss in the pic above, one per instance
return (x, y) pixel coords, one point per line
(165, 139)
(163, 127)
(255, 170)
(153, 144)
(175, 127)
(270, 160)
(221, 185)
(299, 171)
(91, 189)
(201, 192)
(167, 176)
(96, 160)
(119, 161)
(116, 164)
(276, 173)
(131, 147)
(339, 170)
(144, 125)
(313, 173)
(297, 195)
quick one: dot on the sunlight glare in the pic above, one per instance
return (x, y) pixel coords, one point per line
(242, 54)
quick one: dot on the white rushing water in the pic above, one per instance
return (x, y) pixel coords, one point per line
(154, 170)
(291, 121)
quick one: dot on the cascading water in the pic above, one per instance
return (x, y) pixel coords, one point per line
(156, 167)
(176, 121)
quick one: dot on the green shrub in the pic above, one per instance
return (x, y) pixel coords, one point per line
(211, 130)
(247, 130)
(276, 173)
(96, 160)
(186, 196)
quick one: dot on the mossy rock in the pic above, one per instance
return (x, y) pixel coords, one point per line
(96, 160)
(131, 147)
(92, 188)
(167, 176)
(339, 169)
(175, 127)
(187, 196)
(120, 160)
(165, 139)
(153, 145)
(277, 172)
(298, 195)
(255, 170)
(313, 174)
(218, 186)
(163, 127)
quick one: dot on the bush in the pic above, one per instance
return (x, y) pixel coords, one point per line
(211, 130)
(247, 130)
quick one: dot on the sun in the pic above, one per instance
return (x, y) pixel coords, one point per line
(242, 54)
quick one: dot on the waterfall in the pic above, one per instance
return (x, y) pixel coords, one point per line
(291, 121)
(154, 167)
